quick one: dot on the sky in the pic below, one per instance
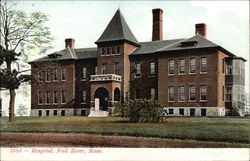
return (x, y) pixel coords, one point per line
(227, 24)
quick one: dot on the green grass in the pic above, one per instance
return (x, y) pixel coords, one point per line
(207, 129)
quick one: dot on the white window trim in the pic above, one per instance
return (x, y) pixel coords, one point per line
(38, 98)
(85, 98)
(62, 98)
(200, 94)
(201, 72)
(169, 67)
(150, 70)
(84, 79)
(54, 98)
(54, 76)
(64, 74)
(190, 65)
(169, 94)
(179, 68)
(47, 95)
(179, 94)
(189, 100)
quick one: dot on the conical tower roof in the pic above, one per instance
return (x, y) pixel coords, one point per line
(117, 29)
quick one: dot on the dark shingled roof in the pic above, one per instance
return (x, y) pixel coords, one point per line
(69, 54)
(117, 29)
(152, 46)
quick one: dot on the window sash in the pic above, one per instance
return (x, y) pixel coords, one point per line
(84, 73)
(47, 95)
(229, 94)
(63, 97)
(138, 69)
(182, 66)
(48, 75)
(203, 92)
(40, 99)
(104, 68)
(192, 65)
(171, 66)
(55, 74)
(152, 93)
(55, 97)
(63, 74)
(83, 96)
(181, 93)
(192, 93)
(152, 68)
(203, 64)
(117, 68)
(171, 93)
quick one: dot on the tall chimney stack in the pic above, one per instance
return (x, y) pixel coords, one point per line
(69, 43)
(200, 29)
(157, 24)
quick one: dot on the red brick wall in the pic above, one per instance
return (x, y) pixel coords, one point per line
(68, 86)
(210, 79)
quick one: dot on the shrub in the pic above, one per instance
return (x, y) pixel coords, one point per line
(234, 112)
(140, 110)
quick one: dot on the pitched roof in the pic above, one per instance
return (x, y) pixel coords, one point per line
(194, 42)
(117, 29)
(152, 46)
(69, 54)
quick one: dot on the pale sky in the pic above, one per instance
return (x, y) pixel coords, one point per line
(227, 23)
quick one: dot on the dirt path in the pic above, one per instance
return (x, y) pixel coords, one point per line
(89, 140)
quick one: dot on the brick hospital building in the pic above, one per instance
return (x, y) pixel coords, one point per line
(190, 77)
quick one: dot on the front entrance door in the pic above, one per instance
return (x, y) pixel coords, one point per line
(103, 96)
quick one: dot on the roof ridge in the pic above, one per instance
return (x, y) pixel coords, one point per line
(161, 40)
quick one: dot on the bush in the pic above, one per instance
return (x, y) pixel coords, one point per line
(234, 112)
(140, 110)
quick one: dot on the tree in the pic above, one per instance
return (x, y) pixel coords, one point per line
(19, 34)
(22, 110)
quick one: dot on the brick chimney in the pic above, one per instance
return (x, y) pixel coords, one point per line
(200, 29)
(157, 24)
(69, 43)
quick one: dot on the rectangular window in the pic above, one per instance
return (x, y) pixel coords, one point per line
(40, 75)
(63, 97)
(152, 93)
(171, 66)
(171, 111)
(117, 68)
(83, 97)
(47, 112)
(192, 93)
(152, 68)
(170, 93)
(181, 111)
(223, 93)
(192, 65)
(84, 73)
(181, 66)
(181, 92)
(203, 91)
(55, 75)
(229, 94)
(96, 70)
(104, 68)
(63, 74)
(55, 112)
(40, 113)
(118, 50)
(47, 96)
(63, 113)
(192, 112)
(48, 75)
(138, 69)
(113, 50)
(102, 51)
(40, 99)
(55, 97)
(203, 65)
(108, 51)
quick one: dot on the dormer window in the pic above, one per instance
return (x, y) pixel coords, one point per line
(113, 51)
(189, 43)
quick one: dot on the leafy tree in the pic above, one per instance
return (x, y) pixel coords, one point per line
(141, 110)
(19, 35)
(22, 110)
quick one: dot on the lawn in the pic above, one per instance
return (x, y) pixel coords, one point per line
(234, 130)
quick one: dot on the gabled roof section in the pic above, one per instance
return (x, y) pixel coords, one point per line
(118, 29)
(152, 46)
(194, 42)
(69, 54)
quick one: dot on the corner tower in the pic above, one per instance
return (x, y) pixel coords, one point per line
(111, 82)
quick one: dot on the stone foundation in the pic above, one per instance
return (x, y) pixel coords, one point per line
(60, 112)
(210, 111)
